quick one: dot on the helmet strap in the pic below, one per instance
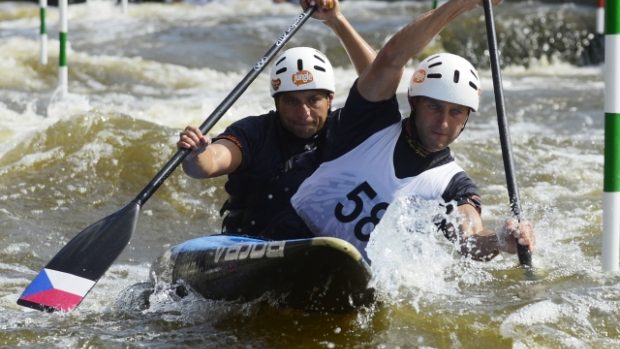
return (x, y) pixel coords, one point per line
(465, 123)
(411, 134)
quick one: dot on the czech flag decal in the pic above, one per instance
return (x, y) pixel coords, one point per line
(55, 290)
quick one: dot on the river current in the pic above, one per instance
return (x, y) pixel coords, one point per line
(136, 79)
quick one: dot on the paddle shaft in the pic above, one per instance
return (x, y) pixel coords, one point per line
(525, 257)
(178, 157)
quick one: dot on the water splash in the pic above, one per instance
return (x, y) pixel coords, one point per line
(412, 261)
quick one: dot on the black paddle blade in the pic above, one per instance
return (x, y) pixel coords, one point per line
(69, 276)
(66, 279)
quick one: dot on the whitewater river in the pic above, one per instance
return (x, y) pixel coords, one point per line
(136, 79)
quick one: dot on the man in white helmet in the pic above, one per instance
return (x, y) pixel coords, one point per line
(256, 150)
(371, 155)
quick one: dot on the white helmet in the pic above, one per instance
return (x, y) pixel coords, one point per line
(449, 78)
(300, 69)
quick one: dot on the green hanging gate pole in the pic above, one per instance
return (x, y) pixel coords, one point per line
(611, 184)
(42, 32)
(63, 70)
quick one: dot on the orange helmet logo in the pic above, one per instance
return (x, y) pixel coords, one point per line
(419, 76)
(275, 84)
(302, 77)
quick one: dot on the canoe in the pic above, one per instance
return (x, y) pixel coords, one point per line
(322, 273)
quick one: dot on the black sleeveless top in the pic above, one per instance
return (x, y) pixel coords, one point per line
(258, 189)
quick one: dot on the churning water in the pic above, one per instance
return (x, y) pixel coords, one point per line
(136, 79)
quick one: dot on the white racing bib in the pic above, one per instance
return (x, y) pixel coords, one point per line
(346, 197)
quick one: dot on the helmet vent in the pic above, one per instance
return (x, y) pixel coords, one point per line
(446, 77)
(456, 76)
(301, 69)
(319, 58)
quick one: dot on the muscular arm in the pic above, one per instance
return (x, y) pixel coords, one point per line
(359, 51)
(481, 243)
(380, 81)
(208, 160)
(476, 241)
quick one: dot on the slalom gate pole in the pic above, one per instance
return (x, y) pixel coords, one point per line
(611, 183)
(42, 32)
(63, 71)
(600, 17)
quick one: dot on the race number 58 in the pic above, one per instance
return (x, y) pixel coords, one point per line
(356, 196)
